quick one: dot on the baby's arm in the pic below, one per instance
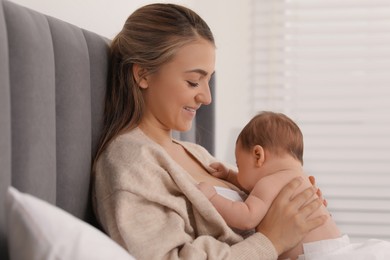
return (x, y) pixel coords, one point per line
(242, 215)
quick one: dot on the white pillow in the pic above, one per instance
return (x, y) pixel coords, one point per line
(39, 230)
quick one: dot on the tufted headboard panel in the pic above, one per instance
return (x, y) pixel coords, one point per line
(52, 85)
(53, 78)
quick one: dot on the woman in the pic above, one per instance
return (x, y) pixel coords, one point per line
(144, 182)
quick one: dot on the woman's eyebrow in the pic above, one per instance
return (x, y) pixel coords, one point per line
(200, 71)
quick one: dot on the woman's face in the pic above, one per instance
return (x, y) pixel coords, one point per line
(176, 91)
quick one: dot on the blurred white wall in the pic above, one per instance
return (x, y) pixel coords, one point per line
(230, 23)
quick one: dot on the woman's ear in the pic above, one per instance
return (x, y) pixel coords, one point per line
(139, 76)
(259, 155)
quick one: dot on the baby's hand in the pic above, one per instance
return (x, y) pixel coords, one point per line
(221, 171)
(207, 189)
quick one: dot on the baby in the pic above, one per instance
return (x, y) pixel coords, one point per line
(269, 153)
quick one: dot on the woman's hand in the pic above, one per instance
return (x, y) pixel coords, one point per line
(319, 193)
(286, 222)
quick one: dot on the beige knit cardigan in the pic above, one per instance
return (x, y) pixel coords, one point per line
(151, 206)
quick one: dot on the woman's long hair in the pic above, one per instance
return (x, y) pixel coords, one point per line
(150, 38)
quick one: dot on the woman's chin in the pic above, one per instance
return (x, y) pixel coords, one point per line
(184, 128)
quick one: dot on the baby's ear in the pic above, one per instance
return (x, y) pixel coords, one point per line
(259, 155)
(139, 76)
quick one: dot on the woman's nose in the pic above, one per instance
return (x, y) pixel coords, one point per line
(204, 95)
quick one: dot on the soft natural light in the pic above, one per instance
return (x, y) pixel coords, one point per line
(326, 64)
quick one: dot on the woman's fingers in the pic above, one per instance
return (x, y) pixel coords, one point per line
(319, 192)
(324, 201)
(315, 222)
(312, 180)
(312, 223)
(288, 191)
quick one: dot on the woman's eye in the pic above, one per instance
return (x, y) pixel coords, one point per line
(192, 84)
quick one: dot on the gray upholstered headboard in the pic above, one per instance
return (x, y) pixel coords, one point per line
(53, 79)
(52, 86)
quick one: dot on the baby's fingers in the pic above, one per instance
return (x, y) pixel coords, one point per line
(215, 165)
